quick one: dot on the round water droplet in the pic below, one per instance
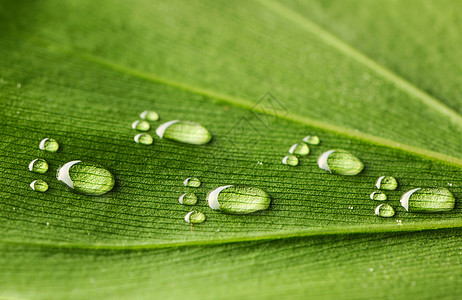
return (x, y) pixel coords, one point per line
(141, 125)
(299, 149)
(194, 217)
(144, 138)
(39, 186)
(384, 211)
(49, 144)
(38, 165)
(378, 195)
(340, 162)
(192, 182)
(86, 178)
(238, 199)
(312, 139)
(149, 115)
(290, 160)
(184, 132)
(388, 183)
(428, 200)
(188, 199)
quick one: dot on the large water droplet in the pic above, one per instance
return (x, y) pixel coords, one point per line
(238, 199)
(141, 125)
(144, 138)
(194, 217)
(290, 160)
(49, 144)
(38, 165)
(39, 185)
(149, 115)
(385, 211)
(86, 178)
(299, 149)
(188, 199)
(428, 200)
(312, 139)
(378, 195)
(340, 162)
(387, 183)
(192, 182)
(184, 132)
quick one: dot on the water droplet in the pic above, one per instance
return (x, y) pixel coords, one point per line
(194, 217)
(188, 199)
(385, 211)
(312, 139)
(340, 162)
(49, 144)
(86, 178)
(192, 182)
(144, 138)
(38, 165)
(149, 115)
(47, 223)
(238, 199)
(378, 195)
(386, 183)
(449, 184)
(259, 163)
(299, 149)
(184, 132)
(141, 125)
(290, 160)
(39, 186)
(428, 200)
(18, 85)
(399, 222)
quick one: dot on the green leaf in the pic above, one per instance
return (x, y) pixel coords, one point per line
(260, 76)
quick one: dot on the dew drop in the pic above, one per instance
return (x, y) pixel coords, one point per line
(290, 160)
(194, 217)
(49, 144)
(384, 211)
(184, 132)
(238, 199)
(192, 182)
(312, 139)
(428, 200)
(378, 195)
(86, 178)
(39, 186)
(188, 199)
(141, 125)
(299, 149)
(388, 183)
(340, 162)
(149, 115)
(38, 165)
(144, 139)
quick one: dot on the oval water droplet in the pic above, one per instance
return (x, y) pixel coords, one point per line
(194, 217)
(428, 200)
(141, 125)
(39, 186)
(384, 211)
(184, 132)
(149, 115)
(144, 139)
(388, 183)
(38, 165)
(378, 195)
(86, 178)
(188, 199)
(238, 199)
(192, 182)
(312, 139)
(49, 144)
(290, 160)
(299, 149)
(340, 162)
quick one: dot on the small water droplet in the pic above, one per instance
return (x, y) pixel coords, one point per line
(312, 139)
(18, 85)
(449, 184)
(188, 199)
(149, 115)
(385, 211)
(194, 217)
(388, 183)
(144, 139)
(192, 182)
(259, 163)
(141, 125)
(428, 200)
(49, 144)
(184, 132)
(399, 222)
(47, 223)
(350, 207)
(38, 165)
(290, 160)
(378, 195)
(86, 178)
(299, 149)
(39, 186)
(238, 199)
(340, 162)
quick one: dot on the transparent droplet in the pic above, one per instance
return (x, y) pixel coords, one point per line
(299, 149)
(194, 217)
(38, 165)
(238, 199)
(192, 182)
(312, 139)
(141, 125)
(149, 115)
(290, 160)
(428, 200)
(39, 186)
(188, 199)
(86, 178)
(378, 195)
(388, 183)
(184, 132)
(340, 162)
(144, 138)
(385, 211)
(49, 144)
